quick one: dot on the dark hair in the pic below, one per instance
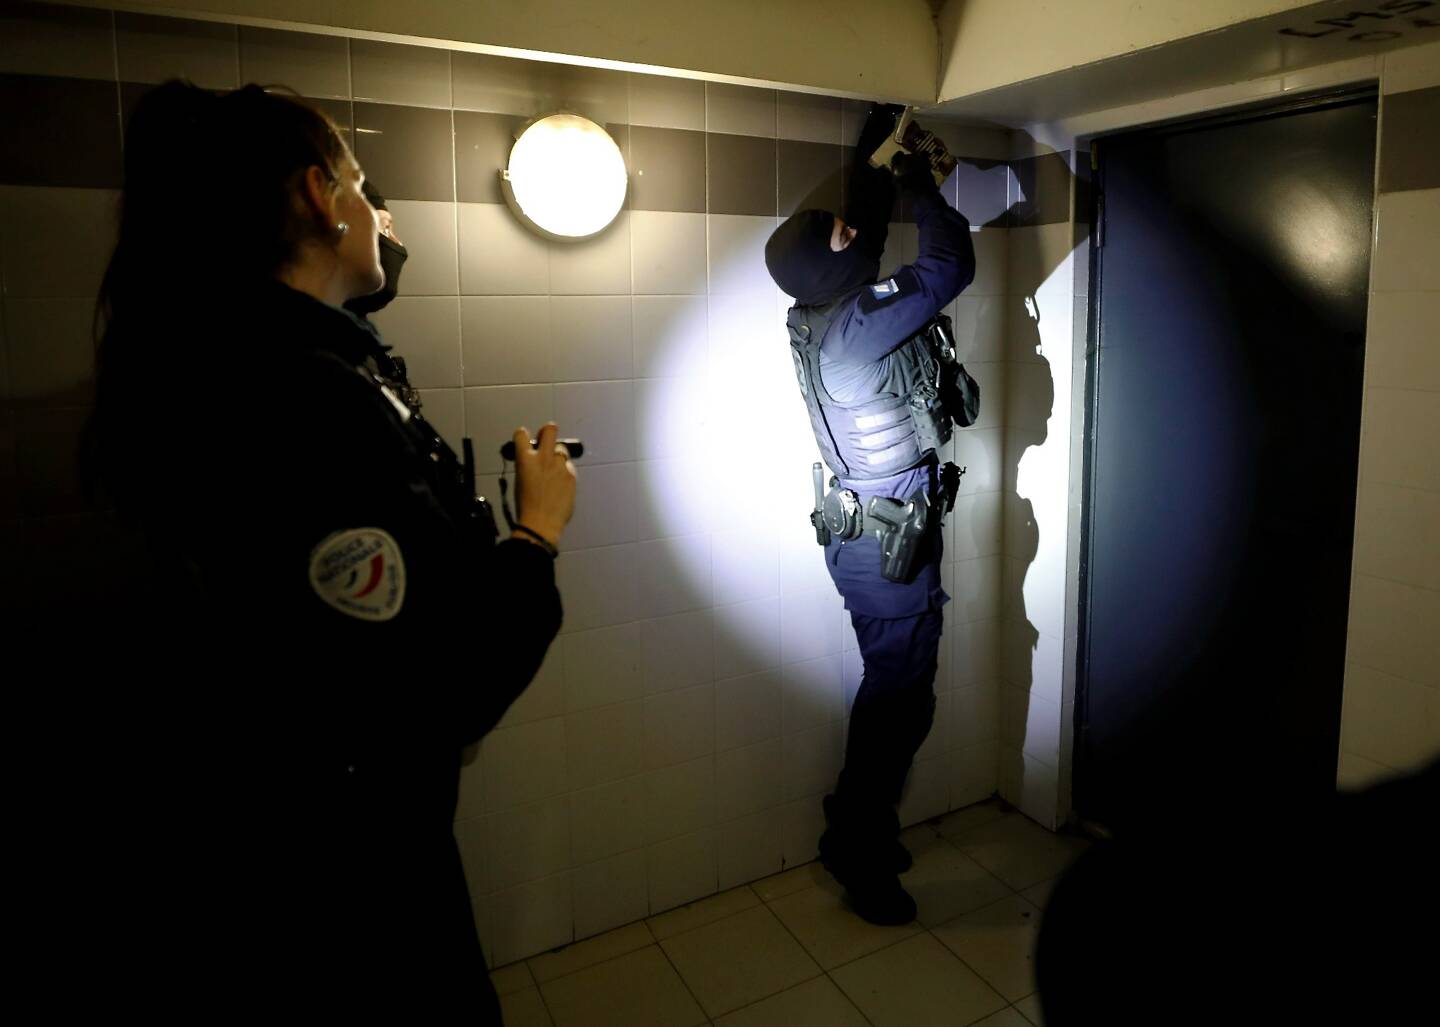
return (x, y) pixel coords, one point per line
(210, 210)
(226, 167)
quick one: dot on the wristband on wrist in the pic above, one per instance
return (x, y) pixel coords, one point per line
(549, 546)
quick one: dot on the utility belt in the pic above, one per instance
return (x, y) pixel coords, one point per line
(901, 528)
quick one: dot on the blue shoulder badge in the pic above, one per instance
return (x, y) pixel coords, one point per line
(885, 289)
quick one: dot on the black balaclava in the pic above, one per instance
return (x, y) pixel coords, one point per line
(392, 259)
(802, 263)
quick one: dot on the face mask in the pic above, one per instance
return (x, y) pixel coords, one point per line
(392, 259)
(800, 260)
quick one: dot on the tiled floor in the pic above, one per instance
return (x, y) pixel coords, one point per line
(785, 952)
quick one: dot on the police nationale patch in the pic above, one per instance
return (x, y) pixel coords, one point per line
(360, 573)
(885, 289)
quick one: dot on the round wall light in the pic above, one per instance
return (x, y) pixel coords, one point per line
(566, 178)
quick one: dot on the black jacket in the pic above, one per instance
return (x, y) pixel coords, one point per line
(295, 767)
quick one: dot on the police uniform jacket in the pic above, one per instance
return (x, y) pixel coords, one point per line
(330, 626)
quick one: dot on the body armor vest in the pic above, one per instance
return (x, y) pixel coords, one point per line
(901, 427)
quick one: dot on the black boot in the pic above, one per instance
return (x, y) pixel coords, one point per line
(867, 864)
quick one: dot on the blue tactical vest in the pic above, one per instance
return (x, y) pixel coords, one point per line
(876, 436)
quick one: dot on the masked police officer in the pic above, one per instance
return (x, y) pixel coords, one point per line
(878, 376)
(331, 619)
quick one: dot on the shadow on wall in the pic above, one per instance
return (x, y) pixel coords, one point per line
(1048, 221)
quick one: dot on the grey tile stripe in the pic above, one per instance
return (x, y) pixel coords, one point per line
(791, 157)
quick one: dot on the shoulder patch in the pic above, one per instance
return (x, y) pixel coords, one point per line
(885, 289)
(359, 572)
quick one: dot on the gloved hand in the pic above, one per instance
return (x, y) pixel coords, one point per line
(879, 123)
(913, 173)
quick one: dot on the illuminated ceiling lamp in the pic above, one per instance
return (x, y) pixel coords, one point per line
(566, 178)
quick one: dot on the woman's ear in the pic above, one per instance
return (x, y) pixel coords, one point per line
(318, 192)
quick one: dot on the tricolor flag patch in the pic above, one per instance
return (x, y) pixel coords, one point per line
(360, 573)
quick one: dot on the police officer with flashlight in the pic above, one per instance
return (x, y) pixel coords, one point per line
(328, 618)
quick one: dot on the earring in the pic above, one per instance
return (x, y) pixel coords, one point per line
(342, 227)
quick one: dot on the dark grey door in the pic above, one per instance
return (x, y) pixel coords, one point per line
(1232, 260)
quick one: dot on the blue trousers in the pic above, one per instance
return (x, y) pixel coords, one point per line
(898, 627)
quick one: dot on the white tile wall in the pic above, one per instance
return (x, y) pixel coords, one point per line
(1400, 350)
(531, 918)
(974, 714)
(493, 412)
(1392, 629)
(498, 255)
(49, 348)
(57, 241)
(812, 760)
(674, 574)
(669, 252)
(505, 340)
(1397, 534)
(682, 870)
(1390, 720)
(746, 780)
(602, 414)
(737, 256)
(747, 637)
(528, 842)
(809, 625)
(679, 726)
(756, 576)
(601, 666)
(525, 763)
(1395, 422)
(927, 790)
(751, 848)
(672, 338)
(591, 338)
(545, 697)
(428, 231)
(1407, 225)
(677, 651)
(605, 743)
(608, 819)
(430, 326)
(597, 266)
(610, 893)
(748, 709)
(812, 690)
(605, 513)
(679, 799)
